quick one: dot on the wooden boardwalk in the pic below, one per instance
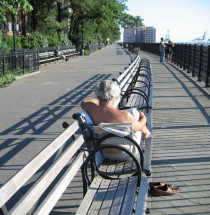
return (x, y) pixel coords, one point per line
(33, 109)
(181, 148)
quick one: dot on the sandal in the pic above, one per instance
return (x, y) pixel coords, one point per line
(166, 190)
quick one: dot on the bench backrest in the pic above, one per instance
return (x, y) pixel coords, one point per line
(127, 76)
(47, 165)
(86, 125)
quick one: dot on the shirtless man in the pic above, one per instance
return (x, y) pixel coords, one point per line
(103, 108)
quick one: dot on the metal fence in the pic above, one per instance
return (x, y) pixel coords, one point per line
(27, 60)
(194, 59)
(95, 47)
(19, 62)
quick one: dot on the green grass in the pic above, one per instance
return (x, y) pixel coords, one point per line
(9, 77)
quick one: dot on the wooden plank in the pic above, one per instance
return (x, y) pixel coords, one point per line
(127, 167)
(142, 197)
(87, 201)
(22, 176)
(99, 197)
(52, 198)
(105, 208)
(119, 168)
(35, 192)
(128, 203)
(149, 142)
(119, 197)
(111, 168)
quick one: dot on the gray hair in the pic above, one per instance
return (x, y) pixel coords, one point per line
(107, 90)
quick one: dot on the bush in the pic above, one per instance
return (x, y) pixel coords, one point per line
(6, 79)
(7, 43)
(35, 40)
(53, 40)
(86, 52)
(64, 39)
(10, 76)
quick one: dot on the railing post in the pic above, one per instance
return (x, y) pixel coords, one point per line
(3, 64)
(185, 57)
(38, 59)
(200, 62)
(23, 61)
(188, 62)
(193, 68)
(207, 80)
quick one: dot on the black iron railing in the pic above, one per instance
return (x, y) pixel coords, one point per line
(194, 59)
(19, 61)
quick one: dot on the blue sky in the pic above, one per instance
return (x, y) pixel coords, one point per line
(185, 19)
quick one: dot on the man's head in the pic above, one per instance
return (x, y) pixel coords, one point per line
(162, 39)
(107, 90)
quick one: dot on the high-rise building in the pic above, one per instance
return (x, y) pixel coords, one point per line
(143, 34)
(129, 35)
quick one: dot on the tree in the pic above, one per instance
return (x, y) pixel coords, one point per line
(10, 6)
(127, 20)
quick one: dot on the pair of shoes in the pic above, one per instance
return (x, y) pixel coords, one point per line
(165, 190)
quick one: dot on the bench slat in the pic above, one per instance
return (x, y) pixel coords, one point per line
(105, 208)
(130, 196)
(35, 192)
(22, 176)
(119, 197)
(87, 201)
(52, 198)
(99, 197)
(142, 197)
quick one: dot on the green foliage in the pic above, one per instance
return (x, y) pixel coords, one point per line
(127, 20)
(84, 21)
(86, 52)
(64, 40)
(7, 79)
(101, 20)
(35, 40)
(7, 43)
(11, 5)
(10, 76)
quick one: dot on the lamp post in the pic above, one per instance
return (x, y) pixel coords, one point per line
(14, 39)
(13, 28)
(83, 28)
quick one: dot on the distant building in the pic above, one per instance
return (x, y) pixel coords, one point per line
(22, 23)
(129, 35)
(143, 34)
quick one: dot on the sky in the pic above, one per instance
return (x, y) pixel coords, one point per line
(185, 19)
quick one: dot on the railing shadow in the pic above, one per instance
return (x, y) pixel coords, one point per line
(39, 121)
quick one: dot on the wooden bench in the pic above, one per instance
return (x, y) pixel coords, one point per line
(37, 187)
(109, 169)
(47, 57)
(140, 96)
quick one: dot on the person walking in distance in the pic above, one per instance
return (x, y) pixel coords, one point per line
(170, 46)
(162, 51)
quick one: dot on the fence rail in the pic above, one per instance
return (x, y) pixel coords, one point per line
(27, 60)
(19, 61)
(194, 59)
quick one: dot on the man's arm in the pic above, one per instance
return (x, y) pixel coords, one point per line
(137, 125)
(87, 104)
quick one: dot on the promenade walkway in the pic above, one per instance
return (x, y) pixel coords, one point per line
(33, 108)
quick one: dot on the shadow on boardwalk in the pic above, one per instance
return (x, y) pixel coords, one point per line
(181, 124)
